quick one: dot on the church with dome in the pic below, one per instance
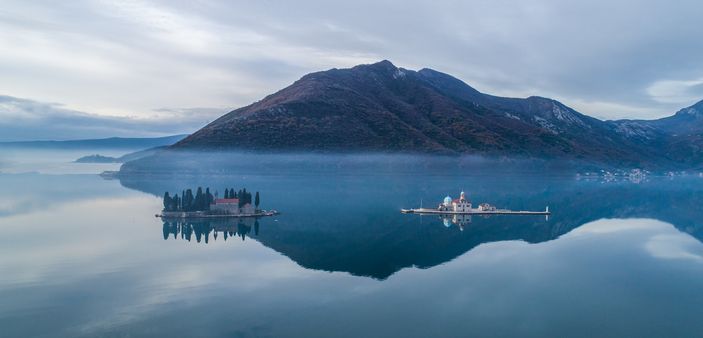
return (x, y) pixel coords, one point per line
(460, 204)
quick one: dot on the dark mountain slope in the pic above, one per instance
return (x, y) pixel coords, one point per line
(677, 138)
(382, 108)
(585, 136)
(686, 121)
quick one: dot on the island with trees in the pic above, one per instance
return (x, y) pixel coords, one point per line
(204, 204)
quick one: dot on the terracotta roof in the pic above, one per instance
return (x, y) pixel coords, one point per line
(226, 200)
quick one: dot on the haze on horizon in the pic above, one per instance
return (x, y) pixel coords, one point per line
(85, 69)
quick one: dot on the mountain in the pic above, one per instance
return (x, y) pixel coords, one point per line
(382, 108)
(677, 138)
(686, 121)
(104, 143)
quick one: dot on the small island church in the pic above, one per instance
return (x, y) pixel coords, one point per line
(457, 205)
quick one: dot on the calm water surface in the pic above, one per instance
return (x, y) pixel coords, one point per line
(82, 256)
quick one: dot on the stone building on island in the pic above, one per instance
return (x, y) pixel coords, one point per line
(231, 206)
(204, 203)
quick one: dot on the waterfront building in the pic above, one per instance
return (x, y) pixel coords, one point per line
(247, 209)
(460, 204)
(226, 206)
(231, 206)
(486, 207)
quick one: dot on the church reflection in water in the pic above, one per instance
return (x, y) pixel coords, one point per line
(202, 230)
(458, 220)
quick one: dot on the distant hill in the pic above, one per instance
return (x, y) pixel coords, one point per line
(383, 108)
(97, 158)
(105, 143)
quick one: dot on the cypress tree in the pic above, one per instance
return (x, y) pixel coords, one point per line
(208, 198)
(256, 199)
(199, 199)
(188, 201)
(167, 202)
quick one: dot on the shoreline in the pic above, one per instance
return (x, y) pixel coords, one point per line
(422, 211)
(201, 214)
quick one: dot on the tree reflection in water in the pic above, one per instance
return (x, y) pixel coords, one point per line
(201, 229)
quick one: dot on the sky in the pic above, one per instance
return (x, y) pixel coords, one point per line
(84, 69)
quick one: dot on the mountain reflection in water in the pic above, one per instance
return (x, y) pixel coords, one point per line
(615, 258)
(353, 224)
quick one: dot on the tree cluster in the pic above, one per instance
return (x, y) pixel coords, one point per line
(243, 195)
(200, 201)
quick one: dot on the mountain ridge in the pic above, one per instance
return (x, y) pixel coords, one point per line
(383, 108)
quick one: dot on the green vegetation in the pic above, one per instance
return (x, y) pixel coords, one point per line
(201, 200)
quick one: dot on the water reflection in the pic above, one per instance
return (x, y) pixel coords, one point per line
(353, 224)
(201, 230)
(584, 272)
(457, 220)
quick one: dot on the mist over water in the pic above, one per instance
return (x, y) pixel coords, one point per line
(82, 255)
(184, 162)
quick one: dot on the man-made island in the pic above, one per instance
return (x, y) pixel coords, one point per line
(462, 206)
(204, 204)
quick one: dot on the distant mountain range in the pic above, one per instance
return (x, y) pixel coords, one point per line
(136, 143)
(383, 108)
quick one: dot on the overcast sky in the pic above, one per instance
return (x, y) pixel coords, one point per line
(73, 69)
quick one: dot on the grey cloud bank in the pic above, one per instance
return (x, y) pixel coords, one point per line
(24, 120)
(608, 59)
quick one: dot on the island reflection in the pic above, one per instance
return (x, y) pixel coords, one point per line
(337, 218)
(201, 230)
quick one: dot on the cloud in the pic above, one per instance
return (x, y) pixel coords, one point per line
(24, 119)
(123, 58)
(609, 226)
(676, 91)
(675, 247)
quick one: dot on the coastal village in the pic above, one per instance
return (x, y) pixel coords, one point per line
(205, 204)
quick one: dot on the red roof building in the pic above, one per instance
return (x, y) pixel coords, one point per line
(227, 201)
